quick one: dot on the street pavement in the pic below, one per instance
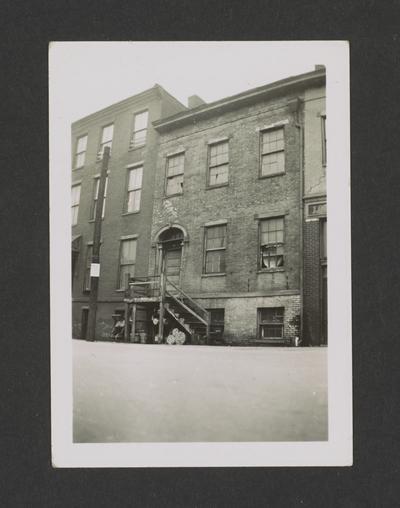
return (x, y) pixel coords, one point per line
(156, 393)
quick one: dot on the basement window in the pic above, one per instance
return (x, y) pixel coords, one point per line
(270, 323)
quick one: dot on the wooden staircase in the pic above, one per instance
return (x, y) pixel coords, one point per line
(187, 314)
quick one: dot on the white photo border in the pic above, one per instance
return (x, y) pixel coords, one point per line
(337, 451)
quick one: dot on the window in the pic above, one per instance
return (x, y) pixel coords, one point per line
(127, 261)
(217, 319)
(134, 189)
(323, 249)
(215, 245)
(139, 129)
(272, 152)
(75, 196)
(271, 242)
(86, 279)
(95, 198)
(270, 323)
(106, 139)
(218, 164)
(81, 145)
(175, 168)
(324, 144)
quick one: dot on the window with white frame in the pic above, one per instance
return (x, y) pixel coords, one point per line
(127, 261)
(271, 243)
(134, 189)
(80, 152)
(96, 185)
(218, 163)
(175, 170)
(270, 322)
(139, 134)
(214, 249)
(75, 197)
(324, 142)
(106, 139)
(272, 152)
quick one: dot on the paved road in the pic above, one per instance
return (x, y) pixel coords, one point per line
(139, 393)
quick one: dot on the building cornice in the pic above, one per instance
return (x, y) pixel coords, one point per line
(252, 95)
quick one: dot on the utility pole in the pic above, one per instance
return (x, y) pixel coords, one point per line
(95, 266)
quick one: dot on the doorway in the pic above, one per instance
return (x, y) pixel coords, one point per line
(172, 243)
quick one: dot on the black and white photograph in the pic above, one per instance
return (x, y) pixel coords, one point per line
(200, 254)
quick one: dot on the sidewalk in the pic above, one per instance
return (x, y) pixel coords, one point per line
(139, 393)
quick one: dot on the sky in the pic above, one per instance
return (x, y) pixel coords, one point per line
(88, 76)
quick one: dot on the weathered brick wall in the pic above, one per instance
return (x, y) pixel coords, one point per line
(115, 224)
(239, 203)
(241, 315)
(311, 283)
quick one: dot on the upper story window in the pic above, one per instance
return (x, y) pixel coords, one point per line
(96, 185)
(106, 139)
(175, 169)
(75, 197)
(218, 164)
(323, 136)
(272, 152)
(127, 261)
(134, 189)
(272, 243)
(80, 152)
(215, 247)
(139, 134)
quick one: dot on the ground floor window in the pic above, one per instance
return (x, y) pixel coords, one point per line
(270, 322)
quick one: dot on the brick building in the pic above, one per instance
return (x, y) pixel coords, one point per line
(217, 243)
(315, 223)
(125, 238)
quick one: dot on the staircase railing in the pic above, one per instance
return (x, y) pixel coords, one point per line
(186, 301)
(144, 287)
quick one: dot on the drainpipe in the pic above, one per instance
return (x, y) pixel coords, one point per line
(299, 125)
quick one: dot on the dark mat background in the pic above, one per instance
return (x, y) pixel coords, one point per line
(27, 478)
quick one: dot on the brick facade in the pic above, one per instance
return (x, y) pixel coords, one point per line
(240, 204)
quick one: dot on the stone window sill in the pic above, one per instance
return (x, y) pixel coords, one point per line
(205, 275)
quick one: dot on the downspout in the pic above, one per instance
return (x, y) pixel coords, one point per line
(299, 125)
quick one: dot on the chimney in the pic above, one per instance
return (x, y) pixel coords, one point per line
(319, 67)
(194, 101)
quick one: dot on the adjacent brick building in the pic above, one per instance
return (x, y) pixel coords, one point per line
(224, 210)
(127, 128)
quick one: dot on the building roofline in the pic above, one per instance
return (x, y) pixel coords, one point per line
(156, 90)
(254, 93)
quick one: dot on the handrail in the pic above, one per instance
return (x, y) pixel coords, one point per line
(193, 312)
(195, 304)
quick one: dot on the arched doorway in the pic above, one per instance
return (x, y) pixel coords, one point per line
(171, 243)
